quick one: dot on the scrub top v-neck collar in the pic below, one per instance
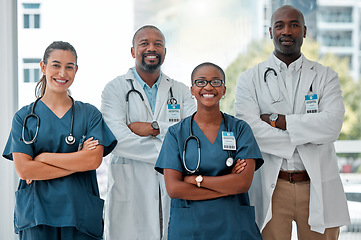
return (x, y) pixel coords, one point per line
(48, 109)
(203, 136)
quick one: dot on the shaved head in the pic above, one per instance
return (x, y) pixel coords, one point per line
(287, 8)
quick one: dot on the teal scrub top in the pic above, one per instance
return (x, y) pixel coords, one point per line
(227, 218)
(70, 201)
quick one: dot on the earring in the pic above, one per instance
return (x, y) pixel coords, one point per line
(224, 95)
(192, 96)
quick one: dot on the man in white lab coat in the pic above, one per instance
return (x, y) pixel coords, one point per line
(295, 109)
(137, 204)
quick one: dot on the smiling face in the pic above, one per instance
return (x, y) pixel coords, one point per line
(148, 50)
(59, 70)
(287, 31)
(208, 96)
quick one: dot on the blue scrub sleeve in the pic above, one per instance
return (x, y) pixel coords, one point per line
(101, 132)
(170, 154)
(14, 144)
(249, 147)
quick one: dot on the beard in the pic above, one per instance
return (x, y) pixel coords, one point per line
(151, 67)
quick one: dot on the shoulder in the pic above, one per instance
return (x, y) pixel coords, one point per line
(319, 67)
(180, 125)
(232, 120)
(236, 124)
(180, 129)
(24, 111)
(322, 72)
(88, 108)
(119, 80)
(253, 72)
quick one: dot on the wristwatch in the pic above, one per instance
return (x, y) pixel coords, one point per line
(155, 126)
(273, 118)
(199, 179)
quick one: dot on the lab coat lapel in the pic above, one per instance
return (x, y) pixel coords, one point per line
(162, 95)
(307, 77)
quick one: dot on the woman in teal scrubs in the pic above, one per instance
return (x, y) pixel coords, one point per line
(211, 203)
(58, 196)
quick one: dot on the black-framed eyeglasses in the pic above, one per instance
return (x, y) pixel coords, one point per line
(213, 82)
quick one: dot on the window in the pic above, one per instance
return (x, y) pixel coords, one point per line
(31, 70)
(31, 15)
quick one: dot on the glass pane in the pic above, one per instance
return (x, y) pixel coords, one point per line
(26, 20)
(36, 75)
(26, 75)
(37, 21)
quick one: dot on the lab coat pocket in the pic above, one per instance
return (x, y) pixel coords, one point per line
(24, 208)
(120, 182)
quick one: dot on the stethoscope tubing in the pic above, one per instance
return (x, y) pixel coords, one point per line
(70, 139)
(269, 69)
(171, 100)
(192, 136)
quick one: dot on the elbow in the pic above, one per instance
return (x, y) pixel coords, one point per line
(173, 191)
(95, 159)
(94, 163)
(23, 173)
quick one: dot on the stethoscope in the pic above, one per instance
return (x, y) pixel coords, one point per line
(269, 69)
(229, 161)
(70, 139)
(171, 100)
(265, 80)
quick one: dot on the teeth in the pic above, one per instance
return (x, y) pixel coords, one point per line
(208, 95)
(61, 81)
(152, 57)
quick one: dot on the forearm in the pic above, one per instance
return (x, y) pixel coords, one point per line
(27, 169)
(76, 161)
(229, 184)
(189, 191)
(178, 188)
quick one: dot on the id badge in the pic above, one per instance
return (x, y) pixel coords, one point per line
(228, 141)
(311, 103)
(173, 113)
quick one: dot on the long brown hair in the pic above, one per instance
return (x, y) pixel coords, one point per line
(58, 45)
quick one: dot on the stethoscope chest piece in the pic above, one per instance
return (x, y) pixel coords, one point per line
(229, 162)
(70, 139)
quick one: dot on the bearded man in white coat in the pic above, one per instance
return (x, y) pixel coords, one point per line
(137, 204)
(295, 109)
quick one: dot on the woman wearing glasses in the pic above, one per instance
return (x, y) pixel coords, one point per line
(208, 188)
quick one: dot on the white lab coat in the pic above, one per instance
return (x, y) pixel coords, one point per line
(132, 202)
(313, 135)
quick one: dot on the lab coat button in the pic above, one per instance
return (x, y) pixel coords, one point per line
(273, 185)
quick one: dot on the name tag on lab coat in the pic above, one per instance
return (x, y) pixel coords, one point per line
(228, 141)
(311, 103)
(173, 112)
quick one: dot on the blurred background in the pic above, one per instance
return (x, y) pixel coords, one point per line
(231, 33)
